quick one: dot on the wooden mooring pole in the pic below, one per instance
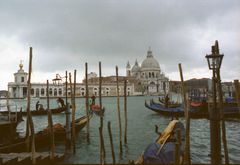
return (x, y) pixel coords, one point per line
(50, 127)
(86, 100)
(111, 141)
(100, 92)
(119, 114)
(220, 97)
(102, 157)
(125, 111)
(102, 150)
(73, 93)
(68, 119)
(237, 89)
(187, 159)
(29, 115)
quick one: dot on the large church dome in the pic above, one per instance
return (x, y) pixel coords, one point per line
(150, 63)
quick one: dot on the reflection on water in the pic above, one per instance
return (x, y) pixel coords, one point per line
(141, 132)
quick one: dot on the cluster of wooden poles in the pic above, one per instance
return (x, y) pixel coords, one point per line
(187, 157)
(30, 125)
(102, 147)
(70, 134)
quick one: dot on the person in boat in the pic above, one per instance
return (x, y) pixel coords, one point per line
(61, 102)
(37, 105)
(166, 101)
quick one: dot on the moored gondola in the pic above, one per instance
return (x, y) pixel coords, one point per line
(39, 112)
(42, 138)
(162, 150)
(200, 111)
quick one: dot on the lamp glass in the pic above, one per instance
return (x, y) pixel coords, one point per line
(214, 61)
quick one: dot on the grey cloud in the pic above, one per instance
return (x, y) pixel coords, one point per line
(67, 34)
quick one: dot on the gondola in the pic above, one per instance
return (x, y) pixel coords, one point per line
(59, 130)
(8, 125)
(174, 112)
(170, 104)
(39, 112)
(162, 103)
(162, 150)
(42, 138)
(97, 110)
(194, 112)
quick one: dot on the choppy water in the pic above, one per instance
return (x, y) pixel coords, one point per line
(141, 132)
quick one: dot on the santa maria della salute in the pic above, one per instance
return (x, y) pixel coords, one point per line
(144, 79)
(148, 77)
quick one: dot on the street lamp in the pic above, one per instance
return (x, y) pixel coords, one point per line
(214, 60)
(58, 80)
(214, 63)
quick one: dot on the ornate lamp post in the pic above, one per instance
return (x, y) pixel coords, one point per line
(214, 64)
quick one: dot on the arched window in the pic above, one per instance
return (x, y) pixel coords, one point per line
(32, 91)
(50, 92)
(42, 91)
(37, 92)
(55, 91)
(60, 91)
(153, 74)
(149, 75)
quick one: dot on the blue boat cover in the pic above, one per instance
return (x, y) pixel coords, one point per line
(166, 155)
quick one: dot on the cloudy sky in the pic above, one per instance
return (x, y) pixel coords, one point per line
(66, 34)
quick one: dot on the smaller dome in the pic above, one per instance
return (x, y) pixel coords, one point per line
(136, 67)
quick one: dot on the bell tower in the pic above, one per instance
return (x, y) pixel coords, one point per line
(20, 77)
(128, 69)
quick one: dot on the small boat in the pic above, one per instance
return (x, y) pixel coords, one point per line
(175, 112)
(60, 131)
(170, 104)
(196, 112)
(8, 125)
(39, 112)
(97, 110)
(162, 150)
(42, 138)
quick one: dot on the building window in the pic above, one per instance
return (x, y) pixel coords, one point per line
(32, 91)
(22, 79)
(55, 91)
(60, 91)
(50, 92)
(37, 92)
(42, 91)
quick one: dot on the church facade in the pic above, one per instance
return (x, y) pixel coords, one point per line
(148, 77)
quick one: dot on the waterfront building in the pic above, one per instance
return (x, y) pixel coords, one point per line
(18, 88)
(148, 77)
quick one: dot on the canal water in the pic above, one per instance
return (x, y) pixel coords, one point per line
(140, 132)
